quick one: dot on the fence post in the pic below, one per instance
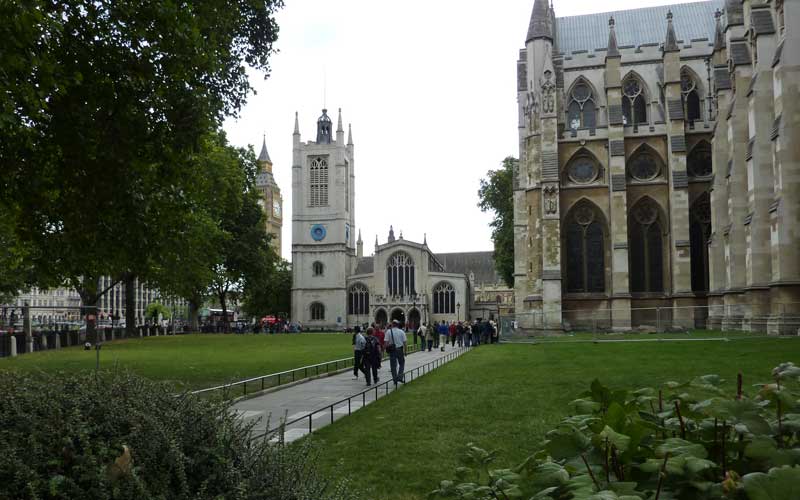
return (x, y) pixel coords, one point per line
(26, 327)
(58, 340)
(658, 319)
(12, 352)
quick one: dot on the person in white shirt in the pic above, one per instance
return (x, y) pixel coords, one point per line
(395, 344)
(359, 342)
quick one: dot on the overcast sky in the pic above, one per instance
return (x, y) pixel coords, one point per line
(429, 87)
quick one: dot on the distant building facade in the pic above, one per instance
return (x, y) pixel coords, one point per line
(659, 165)
(271, 201)
(333, 284)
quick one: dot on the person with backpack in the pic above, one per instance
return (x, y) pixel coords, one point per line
(395, 345)
(372, 357)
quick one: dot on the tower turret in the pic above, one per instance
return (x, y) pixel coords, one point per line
(324, 126)
(359, 246)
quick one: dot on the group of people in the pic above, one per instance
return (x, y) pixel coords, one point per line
(368, 349)
(461, 333)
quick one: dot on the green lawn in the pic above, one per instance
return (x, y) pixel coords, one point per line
(507, 397)
(195, 361)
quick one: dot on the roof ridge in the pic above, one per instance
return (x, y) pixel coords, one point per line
(612, 12)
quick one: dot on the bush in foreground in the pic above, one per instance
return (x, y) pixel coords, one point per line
(120, 436)
(693, 440)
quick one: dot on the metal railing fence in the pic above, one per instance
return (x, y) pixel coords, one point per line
(366, 396)
(288, 376)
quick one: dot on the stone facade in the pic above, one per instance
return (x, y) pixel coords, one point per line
(655, 165)
(271, 200)
(335, 286)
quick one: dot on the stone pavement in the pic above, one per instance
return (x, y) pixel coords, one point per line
(298, 401)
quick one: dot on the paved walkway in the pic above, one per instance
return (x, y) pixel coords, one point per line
(298, 401)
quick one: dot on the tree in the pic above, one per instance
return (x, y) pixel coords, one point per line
(271, 293)
(497, 194)
(104, 105)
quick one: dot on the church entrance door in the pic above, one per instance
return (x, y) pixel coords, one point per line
(400, 316)
(413, 319)
(380, 317)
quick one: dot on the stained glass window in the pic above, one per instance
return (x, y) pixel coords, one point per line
(585, 252)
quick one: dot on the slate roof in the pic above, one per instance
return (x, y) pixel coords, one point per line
(637, 26)
(365, 265)
(264, 155)
(480, 263)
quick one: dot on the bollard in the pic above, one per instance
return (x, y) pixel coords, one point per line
(13, 347)
(57, 341)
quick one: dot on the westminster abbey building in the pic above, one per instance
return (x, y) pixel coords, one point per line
(659, 173)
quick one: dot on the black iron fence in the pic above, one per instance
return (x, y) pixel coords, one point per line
(364, 397)
(262, 382)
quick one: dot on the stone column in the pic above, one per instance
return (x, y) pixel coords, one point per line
(735, 234)
(679, 248)
(785, 208)
(618, 209)
(719, 203)
(759, 179)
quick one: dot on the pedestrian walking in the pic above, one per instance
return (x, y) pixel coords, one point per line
(372, 357)
(435, 334)
(476, 332)
(395, 345)
(443, 333)
(359, 343)
(430, 334)
(467, 334)
(421, 334)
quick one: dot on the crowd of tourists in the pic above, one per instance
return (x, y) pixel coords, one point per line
(371, 343)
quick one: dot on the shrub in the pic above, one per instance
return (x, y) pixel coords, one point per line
(120, 436)
(683, 441)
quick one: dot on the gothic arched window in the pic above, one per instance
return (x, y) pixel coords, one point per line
(358, 299)
(585, 250)
(582, 169)
(317, 311)
(699, 161)
(634, 107)
(400, 275)
(646, 248)
(444, 298)
(581, 108)
(318, 268)
(318, 182)
(699, 231)
(690, 97)
(644, 164)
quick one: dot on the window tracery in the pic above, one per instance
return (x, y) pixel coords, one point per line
(585, 251)
(690, 97)
(582, 169)
(318, 268)
(646, 248)
(318, 182)
(634, 107)
(644, 165)
(358, 299)
(400, 279)
(699, 160)
(581, 112)
(444, 298)
(317, 311)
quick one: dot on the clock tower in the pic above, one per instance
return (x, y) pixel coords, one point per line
(271, 201)
(323, 224)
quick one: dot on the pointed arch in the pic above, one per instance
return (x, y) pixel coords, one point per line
(698, 161)
(583, 167)
(691, 90)
(635, 99)
(699, 232)
(645, 164)
(647, 224)
(585, 235)
(358, 299)
(581, 104)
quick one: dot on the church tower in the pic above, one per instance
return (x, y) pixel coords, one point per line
(271, 201)
(323, 221)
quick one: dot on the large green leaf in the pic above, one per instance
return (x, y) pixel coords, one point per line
(680, 447)
(549, 474)
(779, 484)
(786, 370)
(566, 442)
(619, 440)
(765, 449)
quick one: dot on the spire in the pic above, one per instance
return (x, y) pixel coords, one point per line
(541, 22)
(391, 234)
(401, 234)
(339, 126)
(359, 236)
(376, 241)
(296, 124)
(425, 239)
(324, 128)
(671, 42)
(613, 49)
(719, 36)
(264, 155)
(349, 134)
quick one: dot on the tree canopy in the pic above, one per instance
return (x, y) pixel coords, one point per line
(104, 109)
(496, 193)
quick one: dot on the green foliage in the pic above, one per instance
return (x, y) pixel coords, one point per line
(104, 108)
(115, 435)
(155, 310)
(270, 293)
(683, 441)
(497, 194)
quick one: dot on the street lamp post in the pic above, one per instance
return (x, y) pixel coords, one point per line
(458, 311)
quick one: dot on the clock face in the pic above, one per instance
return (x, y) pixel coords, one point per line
(318, 232)
(276, 208)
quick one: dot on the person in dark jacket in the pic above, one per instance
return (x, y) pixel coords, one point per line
(372, 357)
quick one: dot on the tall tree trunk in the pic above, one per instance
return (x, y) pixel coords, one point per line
(194, 313)
(130, 305)
(224, 303)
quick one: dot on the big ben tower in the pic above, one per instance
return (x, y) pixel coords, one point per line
(271, 200)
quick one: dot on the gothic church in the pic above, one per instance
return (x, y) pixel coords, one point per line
(660, 167)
